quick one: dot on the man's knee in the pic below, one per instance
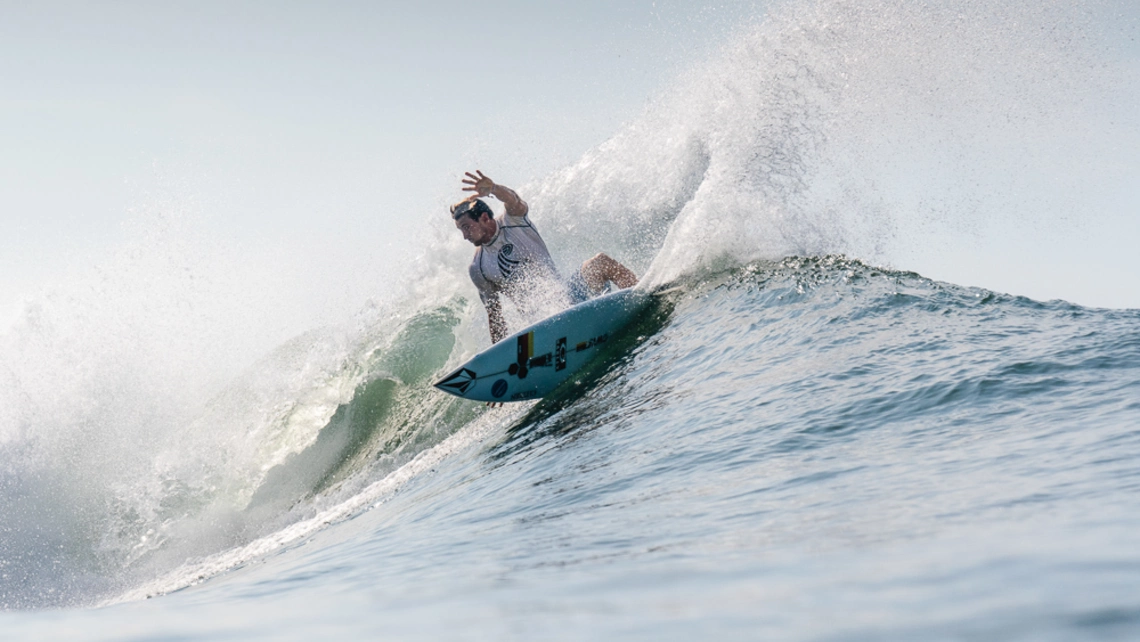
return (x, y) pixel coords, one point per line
(601, 268)
(599, 263)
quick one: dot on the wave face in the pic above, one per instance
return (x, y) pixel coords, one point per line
(966, 459)
(792, 431)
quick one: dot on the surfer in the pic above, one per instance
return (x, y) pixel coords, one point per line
(511, 258)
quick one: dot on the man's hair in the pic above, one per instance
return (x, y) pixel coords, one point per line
(474, 208)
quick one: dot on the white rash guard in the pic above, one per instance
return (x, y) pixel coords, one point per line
(516, 263)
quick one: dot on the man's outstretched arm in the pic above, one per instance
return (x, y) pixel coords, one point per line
(484, 186)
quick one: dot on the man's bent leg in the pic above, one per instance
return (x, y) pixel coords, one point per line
(601, 268)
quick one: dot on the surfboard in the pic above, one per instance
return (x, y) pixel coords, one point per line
(535, 360)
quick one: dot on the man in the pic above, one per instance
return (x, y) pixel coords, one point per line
(511, 258)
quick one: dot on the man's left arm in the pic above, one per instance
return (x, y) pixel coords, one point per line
(495, 321)
(484, 186)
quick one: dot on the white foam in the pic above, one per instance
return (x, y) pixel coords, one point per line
(901, 133)
(372, 497)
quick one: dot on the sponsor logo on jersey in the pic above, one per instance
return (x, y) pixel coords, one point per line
(507, 265)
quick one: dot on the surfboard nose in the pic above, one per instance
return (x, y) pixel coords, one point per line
(458, 382)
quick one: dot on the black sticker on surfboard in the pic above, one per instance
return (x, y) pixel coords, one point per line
(586, 345)
(560, 355)
(460, 381)
(499, 388)
(525, 348)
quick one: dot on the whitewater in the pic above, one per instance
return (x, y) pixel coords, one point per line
(803, 440)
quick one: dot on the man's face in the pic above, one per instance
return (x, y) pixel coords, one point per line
(478, 232)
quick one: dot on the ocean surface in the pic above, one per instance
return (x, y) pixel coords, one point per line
(800, 440)
(813, 449)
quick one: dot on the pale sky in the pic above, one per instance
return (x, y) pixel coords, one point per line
(295, 119)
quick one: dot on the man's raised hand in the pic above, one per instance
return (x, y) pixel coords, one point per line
(480, 184)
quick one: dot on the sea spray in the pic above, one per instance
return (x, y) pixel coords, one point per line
(901, 133)
(149, 404)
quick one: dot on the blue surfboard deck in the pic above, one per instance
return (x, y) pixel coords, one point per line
(533, 361)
